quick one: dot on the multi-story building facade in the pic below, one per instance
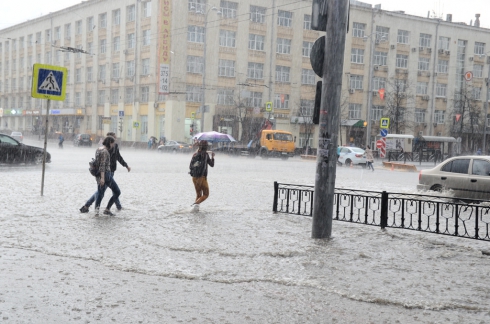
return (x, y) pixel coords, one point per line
(233, 57)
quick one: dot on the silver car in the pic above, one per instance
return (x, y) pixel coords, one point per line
(352, 155)
(466, 176)
(18, 136)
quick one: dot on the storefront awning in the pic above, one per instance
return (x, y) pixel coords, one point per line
(352, 122)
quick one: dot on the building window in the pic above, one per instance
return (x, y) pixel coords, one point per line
(57, 33)
(145, 94)
(281, 101)
(358, 30)
(307, 76)
(307, 22)
(115, 71)
(195, 34)
(255, 70)
(403, 37)
(116, 44)
(356, 81)
(29, 40)
(306, 107)
(90, 24)
(226, 97)
(401, 61)
(131, 42)
(100, 97)
(476, 93)
(442, 66)
(478, 71)
(425, 40)
(254, 99)
(130, 68)
(90, 47)
(439, 117)
(78, 99)
(256, 42)
(88, 98)
(226, 68)
(307, 46)
(422, 88)
(228, 9)
(380, 58)
(38, 41)
(441, 90)
(479, 48)
(78, 27)
(147, 9)
(227, 38)
(424, 63)
(78, 75)
(377, 113)
(89, 73)
(146, 37)
(382, 33)
(195, 64)
(379, 83)
(194, 93)
(145, 66)
(282, 73)
(128, 95)
(130, 13)
(357, 56)
(283, 46)
(116, 17)
(103, 20)
(284, 18)
(355, 111)
(444, 43)
(114, 96)
(197, 6)
(257, 14)
(102, 46)
(419, 115)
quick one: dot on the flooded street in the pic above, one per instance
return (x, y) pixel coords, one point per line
(232, 262)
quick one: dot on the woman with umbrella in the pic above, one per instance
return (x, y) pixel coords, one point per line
(199, 172)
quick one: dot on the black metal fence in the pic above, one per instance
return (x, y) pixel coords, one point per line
(433, 214)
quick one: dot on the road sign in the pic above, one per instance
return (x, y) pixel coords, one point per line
(384, 132)
(468, 76)
(121, 113)
(379, 144)
(382, 149)
(49, 82)
(136, 124)
(268, 106)
(317, 56)
(193, 115)
(384, 123)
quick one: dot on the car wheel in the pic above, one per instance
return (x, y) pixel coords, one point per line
(348, 163)
(436, 187)
(38, 158)
(263, 153)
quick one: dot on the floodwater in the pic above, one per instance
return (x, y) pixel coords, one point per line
(232, 262)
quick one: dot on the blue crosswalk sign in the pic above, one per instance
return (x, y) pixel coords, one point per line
(49, 82)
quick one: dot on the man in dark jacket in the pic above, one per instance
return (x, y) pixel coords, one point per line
(199, 172)
(115, 157)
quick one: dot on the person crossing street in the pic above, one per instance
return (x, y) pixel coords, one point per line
(199, 172)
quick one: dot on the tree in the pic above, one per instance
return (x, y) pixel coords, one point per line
(399, 96)
(303, 116)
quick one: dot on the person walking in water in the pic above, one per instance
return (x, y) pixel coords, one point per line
(369, 158)
(115, 157)
(104, 178)
(199, 172)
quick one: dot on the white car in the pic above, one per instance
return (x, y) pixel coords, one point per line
(18, 136)
(352, 155)
(466, 176)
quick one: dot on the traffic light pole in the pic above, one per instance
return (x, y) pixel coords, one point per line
(323, 198)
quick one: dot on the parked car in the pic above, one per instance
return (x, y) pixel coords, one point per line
(467, 176)
(11, 151)
(82, 140)
(352, 155)
(18, 136)
(175, 147)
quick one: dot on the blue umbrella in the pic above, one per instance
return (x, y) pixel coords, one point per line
(214, 137)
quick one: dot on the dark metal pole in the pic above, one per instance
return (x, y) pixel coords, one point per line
(323, 198)
(45, 146)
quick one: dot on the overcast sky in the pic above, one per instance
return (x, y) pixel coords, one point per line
(17, 11)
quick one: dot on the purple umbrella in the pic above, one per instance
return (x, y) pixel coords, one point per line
(214, 137)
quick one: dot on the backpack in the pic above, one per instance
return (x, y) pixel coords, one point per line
(94, 168)
(195, 169)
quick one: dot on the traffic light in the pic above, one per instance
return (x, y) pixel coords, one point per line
(318, 101)
(120, 125)
(191, 130)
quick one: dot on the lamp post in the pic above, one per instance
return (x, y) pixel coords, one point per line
(203, 106)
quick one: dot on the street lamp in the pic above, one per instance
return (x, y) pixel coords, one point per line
(370, 81)
(205, 13)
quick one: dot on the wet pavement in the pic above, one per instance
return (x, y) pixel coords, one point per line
(232, 262)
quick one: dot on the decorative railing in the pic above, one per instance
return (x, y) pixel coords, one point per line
(425, 213)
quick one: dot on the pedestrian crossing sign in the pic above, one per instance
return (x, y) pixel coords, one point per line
(384, 123)
(268, 106)
(49, 82)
